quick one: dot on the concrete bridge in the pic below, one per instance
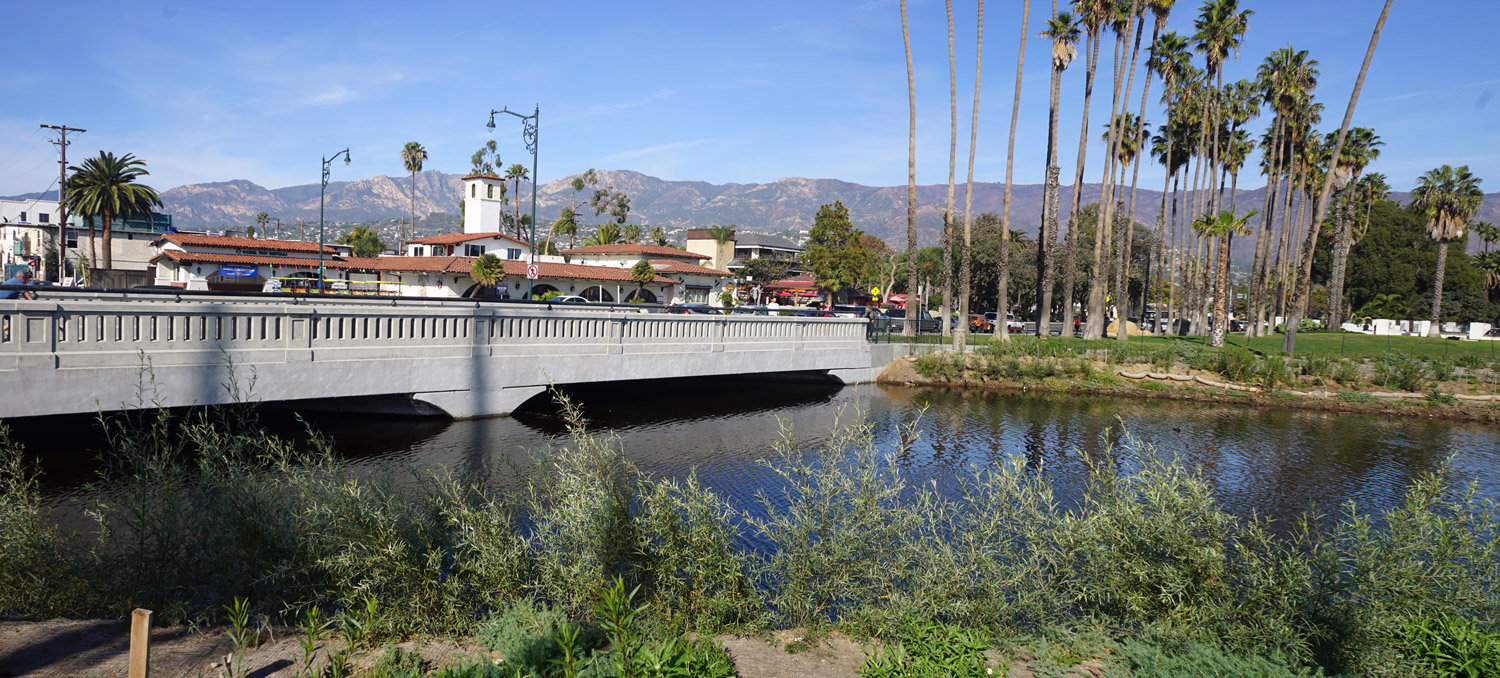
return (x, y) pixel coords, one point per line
(72, 354)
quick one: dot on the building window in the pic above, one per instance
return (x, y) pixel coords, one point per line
(23, 217)
(43, 217)
(473, 250)
(473, 191)
(489, 190)
(73, 239)
(696, 295)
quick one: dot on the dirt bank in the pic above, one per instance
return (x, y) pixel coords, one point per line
(902, 373)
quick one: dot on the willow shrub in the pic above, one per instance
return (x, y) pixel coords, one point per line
(190, 513)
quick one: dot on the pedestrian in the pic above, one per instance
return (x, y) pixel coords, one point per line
(23, 278)
(1076, 324)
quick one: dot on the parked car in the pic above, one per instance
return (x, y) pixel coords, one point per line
(851, 311)
(750, 310)
(981, 322)
(925, 321)
(814, 313)
(568, 299)
(1012, 323)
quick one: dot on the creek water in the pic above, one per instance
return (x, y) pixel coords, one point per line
(1270, 462)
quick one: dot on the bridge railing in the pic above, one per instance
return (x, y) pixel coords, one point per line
(67, 333)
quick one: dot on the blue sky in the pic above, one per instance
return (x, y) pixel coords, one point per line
(720, 92)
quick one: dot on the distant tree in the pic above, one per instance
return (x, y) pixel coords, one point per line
(485, 160)
(516, 173)
(835, 251)
(105, 187)
(250, 230)
(608, 233)
(364, 240)
(488, 271)
(566, 224)
(261, 218)
(1448, 198)
(631, 233)
(761, 271)
(1222, 226)
(643, 272)
(412, 157)
(658, 236)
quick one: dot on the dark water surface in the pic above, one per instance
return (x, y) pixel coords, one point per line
(1271, 462)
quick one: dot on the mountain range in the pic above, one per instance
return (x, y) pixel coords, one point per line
(782, 206)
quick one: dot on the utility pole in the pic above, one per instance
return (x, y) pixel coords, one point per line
(278, 226)
(62, 194)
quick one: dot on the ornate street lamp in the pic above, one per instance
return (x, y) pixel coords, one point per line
(528, 133)
(322, 190)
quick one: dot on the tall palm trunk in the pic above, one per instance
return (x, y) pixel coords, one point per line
(1255, 300)
(1343, 219)
(1161, 232)
(1122, 279)
(1304, 279)
(1221, 293)
(1173, 269)
(107, 262)
(1002, 330)
(952, 160)
(1437, 290)
(1070, 255)
(913, 302)
(1104, 232)
(1047, 238)
(402, 244)
(965, 266)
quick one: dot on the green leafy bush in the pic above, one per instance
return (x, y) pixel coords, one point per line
(1399, 371)
(1272, 372)
(1235, 364)
(398, 663)
(525, 633)
(1195, 660)
(1357, 397)
(1447, 646)
(1440, 369)
(930, 650)
(1346, 372)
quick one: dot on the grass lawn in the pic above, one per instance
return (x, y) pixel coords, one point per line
(1331, 344)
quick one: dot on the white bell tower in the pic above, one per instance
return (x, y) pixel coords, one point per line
(482, 206)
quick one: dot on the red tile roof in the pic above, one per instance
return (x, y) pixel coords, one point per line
(690, 269)
(458, 265)
(255, 260)
(636, 248)
(455, 238)
(195, 240)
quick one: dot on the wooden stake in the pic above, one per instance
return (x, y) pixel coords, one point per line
(140, 643)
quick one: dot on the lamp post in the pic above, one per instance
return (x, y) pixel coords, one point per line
(528, 133)
(322, 190)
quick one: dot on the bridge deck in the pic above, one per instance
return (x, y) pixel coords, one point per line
(469, 359)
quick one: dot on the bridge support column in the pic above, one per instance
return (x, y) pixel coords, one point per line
(858, 375)
(467, 404)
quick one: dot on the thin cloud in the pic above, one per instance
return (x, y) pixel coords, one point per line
(606, 109)
(653, 150)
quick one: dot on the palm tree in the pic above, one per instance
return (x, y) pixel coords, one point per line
(658, 236)
(910, 328)
(261, 218)
(1064, 33)
(1092, 14)
(1372, 188)
(1488, 233)
(516, 173)
(412, 157)
(488, 271)
(721, 234)
(1119, 19)
(1448, 197)
(1170, 58)
(608, 233)
(566, 224)
(1219, 28)
(966, 262)
(1222, 226)
(1287, 79)
(1360, 149)
(1002, 331)
(1488, 262)
(952, 165)
(631, 233)
(642, 273)
(1160, 9)
(105, 187)
(1304, 280)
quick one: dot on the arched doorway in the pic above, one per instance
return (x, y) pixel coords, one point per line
(641, 296)
(597, 294)
(540, 292)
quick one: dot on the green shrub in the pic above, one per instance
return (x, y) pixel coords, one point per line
(1357, 397)
(1450, 647)
(525, 633)
(1441, 398)
(1272, 372)
(1440, 370)
(941, 365)
(1235, 364)
(1316, 366)
(398, 663)
(1195, 660)
(930, 650)
(1399, 371)
(1153, 386)
(1346, 372)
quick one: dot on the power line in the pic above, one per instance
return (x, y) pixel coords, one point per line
(25, 147)
(62, 203)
